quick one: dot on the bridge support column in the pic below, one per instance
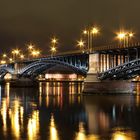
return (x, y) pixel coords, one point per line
(92, 75)
(14, 75)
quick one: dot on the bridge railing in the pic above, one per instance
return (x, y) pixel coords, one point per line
(69, 53)
(119, 46)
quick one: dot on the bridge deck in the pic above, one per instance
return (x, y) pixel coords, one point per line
(114, 47)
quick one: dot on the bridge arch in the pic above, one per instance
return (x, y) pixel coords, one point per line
(4, 70)
(125, 71)
(38, 67)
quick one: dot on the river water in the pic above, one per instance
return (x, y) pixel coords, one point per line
(57, 111)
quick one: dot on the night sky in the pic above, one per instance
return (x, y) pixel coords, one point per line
(22, 21)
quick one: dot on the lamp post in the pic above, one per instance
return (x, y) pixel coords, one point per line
(4, 55)
(15, 53)
(30, 49)
(129, 36)
(6, 59)
(3, 61)
(91, 32)
(125, 37)
(53, 48)
(121, 37)
(10, 60)
(35, 53)
(22, 56)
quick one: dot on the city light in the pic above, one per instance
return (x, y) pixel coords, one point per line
(125, 37)
(54, 40)
(81, 44)
(11, 60)
(16, 51)
(131, 34)
(30, 46)
(4, 55)
(121, 35)
(85, 32)
(3, 62)
(95, 30)
(22, 56)
(31, 51)
(35, 53)
(53, 48)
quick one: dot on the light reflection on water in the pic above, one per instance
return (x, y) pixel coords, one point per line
(56, 111)
(53, 129)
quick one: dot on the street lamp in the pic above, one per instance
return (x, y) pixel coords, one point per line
(4, 55)
(29, 49)
(11, 60)
(35, 53)
(81, 44)
(53, 49)
(54, 40)
(21, 56)
(3, 62)
(125, 37)
(130, 36)
(15, 53)
(30, 46)
(92, 31)
(121, 37)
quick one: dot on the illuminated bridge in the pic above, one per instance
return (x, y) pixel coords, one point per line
(106, 62)
(74, 63)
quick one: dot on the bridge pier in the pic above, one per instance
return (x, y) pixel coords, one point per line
(92, 75)
(94, 85)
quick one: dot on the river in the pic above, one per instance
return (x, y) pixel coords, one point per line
(58, 111)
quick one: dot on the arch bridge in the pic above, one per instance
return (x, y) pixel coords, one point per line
(107, 62)
(73, 63)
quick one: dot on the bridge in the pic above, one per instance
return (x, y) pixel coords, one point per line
(74, 63)
(105, 63)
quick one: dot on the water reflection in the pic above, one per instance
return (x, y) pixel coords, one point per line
(53, 130)
(81, 134)
(33, 125)
(56, 111)
(121, 135)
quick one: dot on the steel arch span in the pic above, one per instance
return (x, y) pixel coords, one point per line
(125, 71)
(4, 70)
(38, 67)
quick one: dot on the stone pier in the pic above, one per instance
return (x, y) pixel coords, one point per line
(93, 85)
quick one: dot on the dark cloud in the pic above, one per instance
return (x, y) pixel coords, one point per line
(37, 20)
